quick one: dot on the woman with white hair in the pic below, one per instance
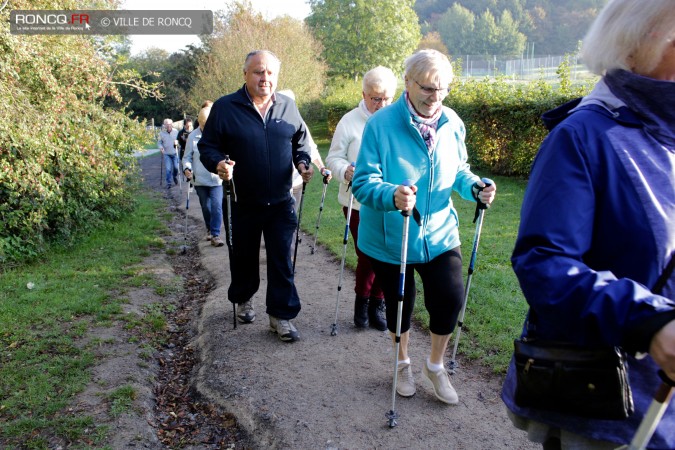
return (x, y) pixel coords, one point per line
(379, 88)
(418, 140)
(209, 186)
(597, 235)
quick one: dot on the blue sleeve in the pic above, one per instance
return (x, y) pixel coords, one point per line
(571, 300)
(464, 178)
(301, 148)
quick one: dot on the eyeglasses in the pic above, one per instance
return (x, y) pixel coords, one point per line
(378, 100)
(430, 90)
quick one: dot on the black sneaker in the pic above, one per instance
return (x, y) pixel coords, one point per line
(377, 316)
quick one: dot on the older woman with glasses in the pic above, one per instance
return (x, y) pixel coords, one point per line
(420, 140)
(595, 248)
(379, 88)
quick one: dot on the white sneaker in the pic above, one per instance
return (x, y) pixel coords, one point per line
(405, 384)
(441, 383)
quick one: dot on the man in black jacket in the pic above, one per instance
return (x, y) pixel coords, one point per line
(182, 136)
(264, 135)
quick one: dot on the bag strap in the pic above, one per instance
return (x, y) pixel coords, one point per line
(665, 275)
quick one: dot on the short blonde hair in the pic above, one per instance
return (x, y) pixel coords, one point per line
(630, 35)
(429, 64)
(380, 79)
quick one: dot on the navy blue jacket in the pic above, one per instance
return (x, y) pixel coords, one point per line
(597, 229)
(266, 152)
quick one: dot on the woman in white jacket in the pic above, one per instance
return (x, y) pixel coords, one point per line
(379, 88)
(209, 186)
(296, 188)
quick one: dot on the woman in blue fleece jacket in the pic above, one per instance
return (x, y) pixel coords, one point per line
(417, 139)
(598, 222)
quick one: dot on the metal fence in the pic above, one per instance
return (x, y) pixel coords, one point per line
(523, 68)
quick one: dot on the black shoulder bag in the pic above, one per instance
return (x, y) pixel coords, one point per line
(566, 378)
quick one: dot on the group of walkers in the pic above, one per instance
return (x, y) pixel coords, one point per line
(255, 139)
(596, 240)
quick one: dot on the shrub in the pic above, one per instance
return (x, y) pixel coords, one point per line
(64, 158)
(503, 119)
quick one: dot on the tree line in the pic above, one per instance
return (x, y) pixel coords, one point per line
(508, 27)
(342, 39)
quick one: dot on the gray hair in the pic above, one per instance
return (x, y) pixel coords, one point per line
(260, 52)
(380, 79)
(429, 64)
(168, 122)
(630, 35)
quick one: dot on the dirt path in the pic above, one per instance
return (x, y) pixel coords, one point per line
(323, 391)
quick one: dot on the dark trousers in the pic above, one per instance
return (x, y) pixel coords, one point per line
(443, 286)
(277, 224)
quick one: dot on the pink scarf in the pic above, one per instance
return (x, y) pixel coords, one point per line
(425, 125)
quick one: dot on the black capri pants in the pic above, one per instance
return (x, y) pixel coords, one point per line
(443, 286)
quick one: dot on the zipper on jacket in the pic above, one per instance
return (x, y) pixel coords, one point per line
(432, 175)
(267, 144)
(267, 149)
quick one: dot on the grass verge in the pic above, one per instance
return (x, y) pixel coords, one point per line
(45, 310)
(495, 307)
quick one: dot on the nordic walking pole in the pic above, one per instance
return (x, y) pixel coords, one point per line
(318, 219)
(228, 198)
(478, 220)
(187, 207)
(228, 231)
(297, 230)
(161, 167)
(180, 183)
(392, 415)
(653, 415)
(333, 328)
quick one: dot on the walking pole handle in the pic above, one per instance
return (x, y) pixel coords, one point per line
(353, 164)
(653, 415)
(227, 158)
(325, 176)
(417, 217)
(480, 205)
(407, 183)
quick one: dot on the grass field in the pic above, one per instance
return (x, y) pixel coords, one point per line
(48, 306)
